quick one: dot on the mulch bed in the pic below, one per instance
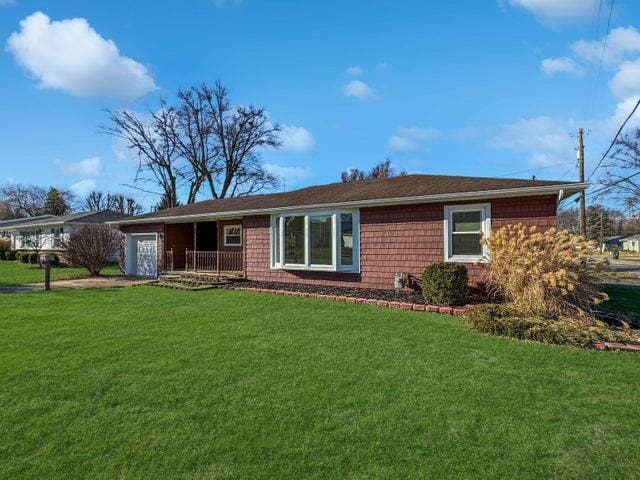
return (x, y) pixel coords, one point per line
(388, 295)
(406, 300)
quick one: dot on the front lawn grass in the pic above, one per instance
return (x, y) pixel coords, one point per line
(16, 273)
(142, 382)
(622, 298)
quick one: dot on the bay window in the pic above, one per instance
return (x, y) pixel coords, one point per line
(464, 228)
(325, 241)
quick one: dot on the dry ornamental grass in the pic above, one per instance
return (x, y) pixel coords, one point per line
(551, 273)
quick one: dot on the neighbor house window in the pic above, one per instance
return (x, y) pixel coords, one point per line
(315, 241)
(465, 226)
(233, 235)
(56, 234)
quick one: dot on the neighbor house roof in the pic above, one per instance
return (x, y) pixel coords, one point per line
(20, 221)
(73, 218)
(396, 190)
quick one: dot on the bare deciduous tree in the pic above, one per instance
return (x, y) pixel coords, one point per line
(116, 202)
(238, 136)
(204, 141)
(153, 139)
(381, 170)
(34, 241)
(92, 246)
(24, 200)
(621, 179)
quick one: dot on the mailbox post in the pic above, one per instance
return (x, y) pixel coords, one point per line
(48, 260)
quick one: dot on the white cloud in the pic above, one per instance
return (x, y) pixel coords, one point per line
(354, 71)
(622, 43)
(83, 187)
(382, 66)
(6, 2)
(545, 140)
(358, 89)
(626, 82)
(71, 56)
(407, 139)
(402, 144)
(291, 176)
(552, 66)
(296, 139)
(88, 167)
(553, 12)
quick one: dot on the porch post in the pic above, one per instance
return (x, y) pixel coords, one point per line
(218, 246)
(195, 246)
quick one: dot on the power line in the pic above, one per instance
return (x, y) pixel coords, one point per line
(592, 102)
(613, 184)
(613, 142)
(535, 169)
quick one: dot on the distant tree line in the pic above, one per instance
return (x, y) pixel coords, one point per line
(602, 222)
(20, 201)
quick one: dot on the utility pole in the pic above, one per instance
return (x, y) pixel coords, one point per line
(583, 211)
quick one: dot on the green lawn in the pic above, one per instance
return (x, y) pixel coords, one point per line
(622, 299)
(14, 273)
(142, 382)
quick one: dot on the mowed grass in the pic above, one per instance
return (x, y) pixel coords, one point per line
(149, 383)
(622, 298)
(15, 273)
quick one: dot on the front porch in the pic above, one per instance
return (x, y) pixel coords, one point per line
(215, 247)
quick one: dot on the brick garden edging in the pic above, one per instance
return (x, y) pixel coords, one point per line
(418, 307)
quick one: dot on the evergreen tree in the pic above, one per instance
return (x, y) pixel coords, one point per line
(56, 203)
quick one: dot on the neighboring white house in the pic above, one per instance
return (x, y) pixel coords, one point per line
(48, 233)
(631, 244)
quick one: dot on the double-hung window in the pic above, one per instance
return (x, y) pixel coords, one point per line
(464, 228)
(233, 235)
(325, 241)
(56, 235)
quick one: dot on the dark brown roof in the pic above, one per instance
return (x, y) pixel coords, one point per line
(396, 187)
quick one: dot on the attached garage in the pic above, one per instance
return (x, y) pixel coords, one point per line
(142, 254)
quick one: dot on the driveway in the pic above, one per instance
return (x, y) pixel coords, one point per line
(78, 284)
(626, 271)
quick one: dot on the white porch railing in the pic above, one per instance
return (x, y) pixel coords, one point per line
(215, 261)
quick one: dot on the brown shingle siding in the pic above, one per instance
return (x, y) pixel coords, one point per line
(393, 239)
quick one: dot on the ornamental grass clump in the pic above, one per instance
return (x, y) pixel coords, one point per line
(550, 274)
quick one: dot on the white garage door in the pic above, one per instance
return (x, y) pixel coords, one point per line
(146, 255)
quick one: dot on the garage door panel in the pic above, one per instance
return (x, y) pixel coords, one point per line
(145, 250)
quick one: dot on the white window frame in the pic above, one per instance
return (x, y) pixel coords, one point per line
(336, 264)
(226, 229)
(485, 209)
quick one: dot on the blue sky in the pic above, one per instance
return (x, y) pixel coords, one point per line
(489, 88)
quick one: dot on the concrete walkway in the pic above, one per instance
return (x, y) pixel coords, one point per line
(78, 284)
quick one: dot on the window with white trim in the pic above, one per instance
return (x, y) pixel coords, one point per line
(56, 234)
(324, 241)
(464, 228)
(233, 235)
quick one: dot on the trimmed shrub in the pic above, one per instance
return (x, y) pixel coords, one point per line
(445, 284)
(24, 257)
(56, 260)
(503, 320)
(551, 274)
(10, 255)
(33, 258)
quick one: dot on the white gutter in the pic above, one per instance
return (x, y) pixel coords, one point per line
(571, 188)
